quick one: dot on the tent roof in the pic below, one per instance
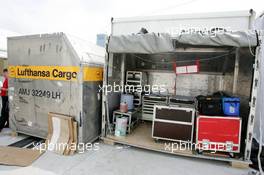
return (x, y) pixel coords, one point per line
(160, 43)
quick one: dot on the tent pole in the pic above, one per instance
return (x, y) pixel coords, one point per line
(236, 71)
(123, 70)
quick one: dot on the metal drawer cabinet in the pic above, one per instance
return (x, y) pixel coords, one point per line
(148, 105)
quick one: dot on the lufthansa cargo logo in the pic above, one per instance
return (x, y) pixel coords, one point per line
(64, 73)
(12, 71)
(67, 73)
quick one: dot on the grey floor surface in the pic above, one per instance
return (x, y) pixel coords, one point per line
(115, 160)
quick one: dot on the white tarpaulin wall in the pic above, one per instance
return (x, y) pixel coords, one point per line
(259, 121)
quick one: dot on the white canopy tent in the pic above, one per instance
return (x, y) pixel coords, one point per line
(155, 43)
(3, 41)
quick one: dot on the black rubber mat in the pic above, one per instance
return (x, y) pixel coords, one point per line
(35, 143)
(27, 141)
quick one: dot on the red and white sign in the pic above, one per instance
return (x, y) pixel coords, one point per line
(189, 69)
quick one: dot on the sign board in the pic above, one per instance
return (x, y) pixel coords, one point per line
(188, 69)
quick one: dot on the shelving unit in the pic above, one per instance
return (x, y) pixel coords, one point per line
(136, 79)
(132, 118)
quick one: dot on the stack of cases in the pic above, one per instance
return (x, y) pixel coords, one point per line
(218, 125)
(136, 79)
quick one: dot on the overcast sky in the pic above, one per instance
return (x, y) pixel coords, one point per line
(86, 18)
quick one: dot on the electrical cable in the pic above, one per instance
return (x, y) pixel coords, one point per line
(182, 61)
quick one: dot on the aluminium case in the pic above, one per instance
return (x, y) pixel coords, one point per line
(33, 97)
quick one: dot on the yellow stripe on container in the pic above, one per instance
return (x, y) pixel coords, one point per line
(92, 74)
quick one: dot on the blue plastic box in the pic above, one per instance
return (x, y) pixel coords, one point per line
(231, 106)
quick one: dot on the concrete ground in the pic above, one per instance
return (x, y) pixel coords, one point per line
(114, 160)
(6, 138)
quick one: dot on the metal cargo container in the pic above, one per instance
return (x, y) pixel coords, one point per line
(54, 73)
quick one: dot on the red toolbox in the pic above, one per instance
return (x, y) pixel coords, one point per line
(218, 133)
